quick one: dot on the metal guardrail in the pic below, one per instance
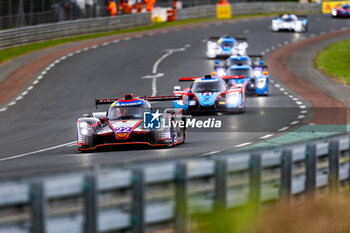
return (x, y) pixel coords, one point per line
(137, 197)
(243, 8)
(70, 28)
(30, 34)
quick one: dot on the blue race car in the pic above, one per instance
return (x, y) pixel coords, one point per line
(255, 61)
(226, 46)
(257, 78)
(210, 94)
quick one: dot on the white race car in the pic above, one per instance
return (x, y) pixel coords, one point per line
(226, 46)
(290, 22)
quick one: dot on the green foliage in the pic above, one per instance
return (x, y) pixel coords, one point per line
(239, 220)
(335, 61)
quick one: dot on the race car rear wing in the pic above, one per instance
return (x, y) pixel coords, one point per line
(232, 77)
(188, 79)
(161, 98)
(104, 101)
(191, 79)
(148, 98)
(215, 38)
(299, 16)
(256, 61)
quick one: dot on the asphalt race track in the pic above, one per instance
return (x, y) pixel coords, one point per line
(38, 133)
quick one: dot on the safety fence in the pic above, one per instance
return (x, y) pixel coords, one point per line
(244, 8)
(71, 28)
(74, 27)
(138, 197)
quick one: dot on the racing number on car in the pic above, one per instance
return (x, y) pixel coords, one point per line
(123, 129)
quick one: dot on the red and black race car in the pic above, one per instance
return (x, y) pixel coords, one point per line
(130, 121)
(341, 12)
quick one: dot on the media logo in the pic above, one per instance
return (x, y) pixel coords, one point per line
(151, 120)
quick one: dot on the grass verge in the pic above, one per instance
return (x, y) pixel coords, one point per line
(334, 61)
(10, 53)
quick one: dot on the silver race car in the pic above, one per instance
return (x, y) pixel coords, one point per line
(130, 121)
(290, 22)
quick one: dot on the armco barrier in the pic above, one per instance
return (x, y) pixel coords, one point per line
(249, 8)
(69, 28)
(135, 198)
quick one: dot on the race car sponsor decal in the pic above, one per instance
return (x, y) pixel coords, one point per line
(124, 126)
(122, 129)
(128, 103)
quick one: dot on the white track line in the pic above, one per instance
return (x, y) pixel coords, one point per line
(283, 129)
(155, 74)
(38, 151)
(266, 136)
(244, 144)
(209, 153)
(294, 122)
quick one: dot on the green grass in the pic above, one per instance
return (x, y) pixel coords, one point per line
(12, 52)
(335, 61)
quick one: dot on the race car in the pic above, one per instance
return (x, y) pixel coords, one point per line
(210, 94)
(255, 61)
(226, 46)
(257, 78)
(290, 22)
(341, 12)
(124, 123)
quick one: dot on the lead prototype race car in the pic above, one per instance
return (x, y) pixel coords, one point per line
(290, 22)
(226, 46)
(210, 94)
(123, 124)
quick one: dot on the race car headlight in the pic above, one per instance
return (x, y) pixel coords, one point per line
(234, 98)
(85, 132)
(211, 51)
(84, 125)
(241, 51)
(85, 129)
(220, 72)
(260, 83)
(257, 73)
(334, 12)
(299, 25)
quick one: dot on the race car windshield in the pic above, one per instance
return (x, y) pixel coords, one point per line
(232, 62)
(216, 86)
(125, 112)
(244, 72)
(288, 20)
(227, 44)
